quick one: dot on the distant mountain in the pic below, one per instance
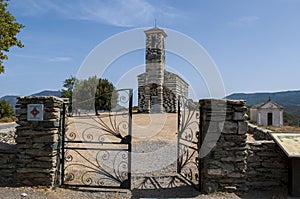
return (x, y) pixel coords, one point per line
(286, 98)
(12, 99)
(48, 93)
(290, 100)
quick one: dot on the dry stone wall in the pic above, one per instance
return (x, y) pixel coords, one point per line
(267, 165)
(244, 157)
(259, 133)
(225, 167)
(34, 159)
(8, 166)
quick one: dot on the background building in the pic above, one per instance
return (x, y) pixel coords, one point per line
(158, 89)
(267, 114)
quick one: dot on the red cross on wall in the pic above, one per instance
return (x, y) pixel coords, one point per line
(34, 112)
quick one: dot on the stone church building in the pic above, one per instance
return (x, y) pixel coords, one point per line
(267, 113)
(158, 89)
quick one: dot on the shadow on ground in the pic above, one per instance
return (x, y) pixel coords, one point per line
(162, 187)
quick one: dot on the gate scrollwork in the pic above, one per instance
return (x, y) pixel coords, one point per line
(96, 150)
(188, 141)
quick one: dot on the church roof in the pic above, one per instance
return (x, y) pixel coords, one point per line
(155, 30)
(260, 105)
(174, 74)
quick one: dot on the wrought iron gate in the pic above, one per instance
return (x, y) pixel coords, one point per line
(189, 141)
(96, 150)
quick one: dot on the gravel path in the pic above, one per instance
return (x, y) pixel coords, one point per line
(59, 193)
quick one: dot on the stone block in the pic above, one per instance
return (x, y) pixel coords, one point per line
(236, 103)
(236, 175)
(45, 124)
(230, 128)
(51, 115)
(214, 172)
(239, 116)
(45, 138)
(33, 170)
(253, 158)
(228, 168)
(228, 144)
(45, 159)
(236, 138)
(266, 154)
(240, 108)
(233, 159)
(42, 153)
(42, 165)
(242, 127)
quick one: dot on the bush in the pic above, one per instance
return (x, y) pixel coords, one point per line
(6, 110)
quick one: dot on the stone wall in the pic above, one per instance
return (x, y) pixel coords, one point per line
(169, 103)
(243, 157)
(225, 167)
(8, 166)
(267, 165)
(259, 133)
(33, 160)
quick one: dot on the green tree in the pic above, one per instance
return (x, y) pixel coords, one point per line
(106, 97)
(9, 28)
(6, 110)
(90, 94)
(67, 91)
(84, 94)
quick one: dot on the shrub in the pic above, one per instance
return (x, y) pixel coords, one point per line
(6, 110)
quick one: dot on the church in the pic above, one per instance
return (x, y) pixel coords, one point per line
(158, 89)
(267, 113)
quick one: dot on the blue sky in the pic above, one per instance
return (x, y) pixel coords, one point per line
(254, 43)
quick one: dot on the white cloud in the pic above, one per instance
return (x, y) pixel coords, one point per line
(123, 13)
(60, 59)
(43, 57)
(245, 21)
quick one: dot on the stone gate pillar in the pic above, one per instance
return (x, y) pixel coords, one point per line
(38, 140)
(224, 167)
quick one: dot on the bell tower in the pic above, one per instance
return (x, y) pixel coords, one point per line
(155, 68)
(158, 88)
(155, 55)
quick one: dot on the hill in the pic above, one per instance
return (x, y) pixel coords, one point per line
(285, 98)
(289, 99)
(12, 99)
(48, 93)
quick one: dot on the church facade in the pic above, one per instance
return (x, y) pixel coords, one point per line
(158, 89)
(267, 113)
